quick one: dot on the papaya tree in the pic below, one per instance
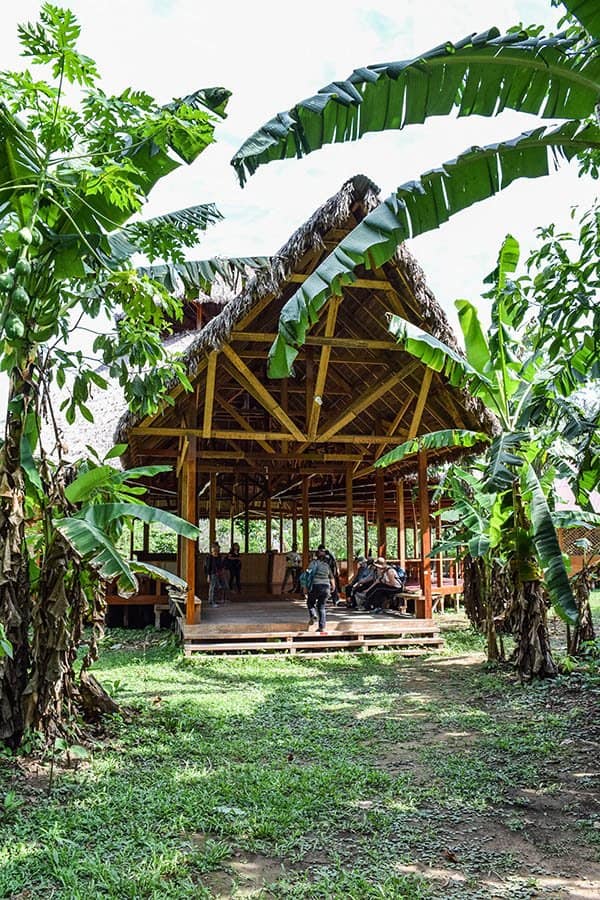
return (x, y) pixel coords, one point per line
(76, 167)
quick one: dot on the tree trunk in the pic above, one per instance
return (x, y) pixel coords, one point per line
(533, 655)
(474, 590)
(15, 599)
(584, 630)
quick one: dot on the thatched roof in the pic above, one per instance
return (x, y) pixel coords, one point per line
(270, 288)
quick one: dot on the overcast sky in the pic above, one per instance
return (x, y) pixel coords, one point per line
(272, 54)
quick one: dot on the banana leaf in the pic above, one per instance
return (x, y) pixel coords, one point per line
(435, 440)
(199, 275)
(481, 75)
(124, 243)
(102, 514)
(417, 207)
(499, 475)
(588, 13)
(98, 551)
(548, 549)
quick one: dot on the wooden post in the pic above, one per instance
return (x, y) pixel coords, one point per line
(231, 531)
(401, 522)
(305, 522)
(440, 558)
(190, 514)
(212, 508)
(380, 512)
(246, 515)
(349, 524)
(295, 524)
(146, 538)
(268, 519)
(366, 521)
(425, 534)
(280, 528)
(323, 529)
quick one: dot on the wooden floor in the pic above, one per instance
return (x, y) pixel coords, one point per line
(276, 626)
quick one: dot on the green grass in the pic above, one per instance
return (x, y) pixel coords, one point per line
(342, 777)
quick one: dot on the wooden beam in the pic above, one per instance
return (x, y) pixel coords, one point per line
(232, 411)
(421, 400)
(425, 528)
(305, 522)
(380, 512)
(349, 525)
(397, 419)
(209, 396)
(401, 522)
(372, 284)
(372, 393)
(317, 399)
(260, 392)
(265, 337)
(160, 432)
(212, 508)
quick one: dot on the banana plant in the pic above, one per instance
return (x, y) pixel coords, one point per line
(555, 77)
(518, 472)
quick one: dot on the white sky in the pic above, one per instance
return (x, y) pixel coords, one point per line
(272, 54)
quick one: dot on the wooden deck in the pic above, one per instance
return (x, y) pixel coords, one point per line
(275, 626)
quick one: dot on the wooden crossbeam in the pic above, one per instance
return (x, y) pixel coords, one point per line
(397, 419)
(261, 394)
(361, 403)
(315, 411)
(372, 284)
(167, 431)
(267, 337)
(421, 400)
(232, 411)
(209, 396)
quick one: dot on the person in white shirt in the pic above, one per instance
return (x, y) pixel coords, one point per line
(293, 565)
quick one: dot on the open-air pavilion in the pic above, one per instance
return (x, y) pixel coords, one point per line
(243, 445)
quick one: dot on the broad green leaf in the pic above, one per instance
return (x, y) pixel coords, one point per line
(480, 75)
(435, 440)
(498, 475)
(587, 12)
(116, 451)
(548, 549)
(102, 514)
(144, 568)
(418, 207)
(477, 350)
(97, 550)
(88, 483)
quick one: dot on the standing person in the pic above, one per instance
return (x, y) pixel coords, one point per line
(233, 564)
(293, 565)
(320, 590)
(332, 563)
(214, 567)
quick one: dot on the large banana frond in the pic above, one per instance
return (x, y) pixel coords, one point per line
(192, 276)
(480, 75)
(435, 440)
(500, 474)
(98, 550)
(125, 242)
(588, 13)
(101, 515)
(415, 208)
(548, 549)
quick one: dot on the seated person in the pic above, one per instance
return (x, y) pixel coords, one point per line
(387, 584)
(364, 577)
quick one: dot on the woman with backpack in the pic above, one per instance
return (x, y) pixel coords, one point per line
(317, 585)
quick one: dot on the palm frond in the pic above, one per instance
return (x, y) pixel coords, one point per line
(435, 440)
(480, 75)
(417, 207)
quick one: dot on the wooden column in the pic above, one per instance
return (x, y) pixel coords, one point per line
(401, 522)
(295, 524)
(146, 537)
(366, 521)
(231, 531)
(280, 529)
(349, 524)
(268, 520)
(246, 515)
(189, 512)
(305, 523)
(425, 534)
(440, 558)
(380, 512)
(212, 508)
(323, 529)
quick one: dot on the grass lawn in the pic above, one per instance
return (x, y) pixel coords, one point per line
(349, 776)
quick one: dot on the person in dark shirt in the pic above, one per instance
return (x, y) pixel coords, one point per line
(320, 590)
(332, 563)
(233, 564)
(214, 567)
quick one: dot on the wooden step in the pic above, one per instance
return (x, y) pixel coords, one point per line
(320, 643)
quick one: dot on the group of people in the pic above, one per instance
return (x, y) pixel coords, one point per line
(223, 573)
(376, 585)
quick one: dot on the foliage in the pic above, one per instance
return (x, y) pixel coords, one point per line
(327, 772)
